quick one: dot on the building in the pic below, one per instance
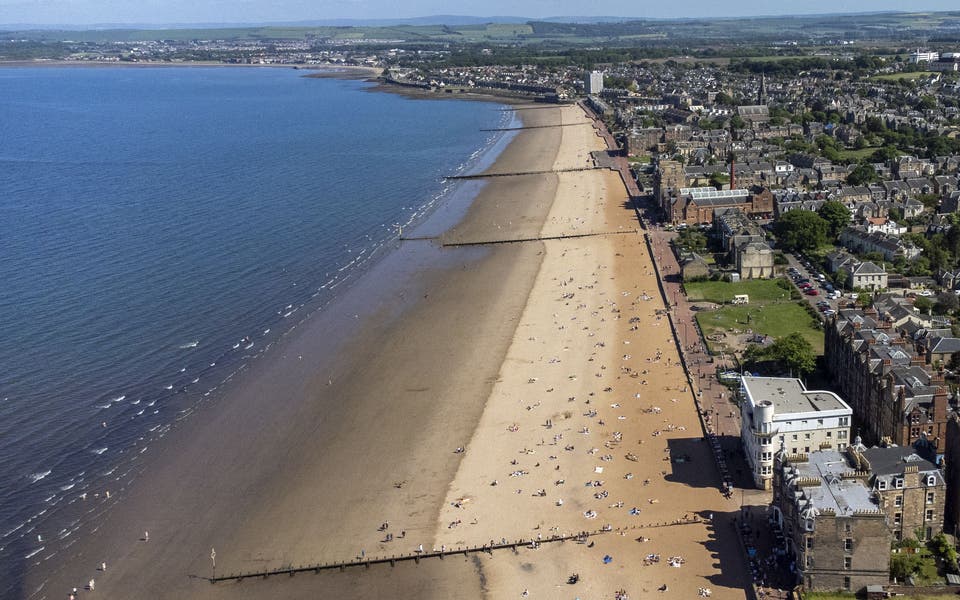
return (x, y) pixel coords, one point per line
(832, 526)
(696, 205)
(866, 276)
(895, 398)
(951, 472)
(909, 489)
(919, 57)
(780, 412)
(745, 243)
(593, 82)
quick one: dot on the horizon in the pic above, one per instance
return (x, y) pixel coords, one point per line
(180, 14)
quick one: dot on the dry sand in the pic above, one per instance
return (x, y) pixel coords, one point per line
(303, 458)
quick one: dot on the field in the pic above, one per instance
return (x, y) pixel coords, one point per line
(770, 313)
(858, 154)
(760, 290)
(899, 76)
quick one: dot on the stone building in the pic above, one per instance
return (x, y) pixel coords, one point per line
(780, 412)
(832, 525)
(696, 205)
(910, 489)
(951, 473)
(744, 242)
(895, 398)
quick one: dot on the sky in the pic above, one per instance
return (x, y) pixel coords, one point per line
(155, 12)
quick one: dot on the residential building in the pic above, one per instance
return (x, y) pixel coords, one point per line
(895, 398)
(780, 412)
(866, 276)
(593, 82)
(833, 528)
(909, 489)
(744, 242)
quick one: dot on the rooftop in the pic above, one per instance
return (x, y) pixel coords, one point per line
(789, 396)
(823, 487)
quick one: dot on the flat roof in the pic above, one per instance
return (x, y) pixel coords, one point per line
(844, 496)
(789, 396)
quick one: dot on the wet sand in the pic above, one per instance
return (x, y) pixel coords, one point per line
(353, 422)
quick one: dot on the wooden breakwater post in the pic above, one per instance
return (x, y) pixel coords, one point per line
(416, 557)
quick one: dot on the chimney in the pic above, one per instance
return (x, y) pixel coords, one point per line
(733, 176)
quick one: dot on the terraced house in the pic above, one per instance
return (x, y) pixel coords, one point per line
(896, 397)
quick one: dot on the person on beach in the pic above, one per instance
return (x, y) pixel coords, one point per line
(146, 536)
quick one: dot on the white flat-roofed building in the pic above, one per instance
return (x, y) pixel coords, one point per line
(780, 411)
(593, 82)
(918, 56)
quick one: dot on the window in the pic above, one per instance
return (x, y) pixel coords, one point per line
(847, 563)
(829, 434)
(806, 436)
(806, 449)
(847, 527)
(847, 545)
(897, 518)
(881, 485)
(898, 501)
(842, 434)
(844, 421)
(819, 421)
(809, 542)
(898, 483)
(931, 480)
(793, 450)
(846, 583)
(929, 497)
(929, 515)
(794, 437)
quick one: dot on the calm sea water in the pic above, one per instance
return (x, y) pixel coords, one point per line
(158, 229)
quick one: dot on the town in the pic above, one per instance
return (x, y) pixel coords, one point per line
(809, 204)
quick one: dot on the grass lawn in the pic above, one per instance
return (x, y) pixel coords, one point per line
(858, 154)
(760, 290)
(899, 76)
(775, 319)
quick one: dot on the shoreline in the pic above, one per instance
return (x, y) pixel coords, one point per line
(371, 433)
(387, 315)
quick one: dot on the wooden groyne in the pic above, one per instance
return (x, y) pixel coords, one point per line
(416, 557)
(513, 108)
(522, 173)
(539, 238)
(539, 126)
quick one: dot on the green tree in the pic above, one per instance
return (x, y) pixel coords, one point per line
(862, 174)
(864, 299)
(794, 352)
(737, 122)
(836, 215)
(924, 305)
(800, 230)
(724, 98)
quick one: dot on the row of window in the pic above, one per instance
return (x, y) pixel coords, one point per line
(898, 482)
(898, 500)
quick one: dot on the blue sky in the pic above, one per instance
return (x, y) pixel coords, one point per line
(78, 12)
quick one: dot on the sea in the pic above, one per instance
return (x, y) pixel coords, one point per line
(160, 228)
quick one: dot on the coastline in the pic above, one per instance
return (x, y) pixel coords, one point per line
(178, 483)
(479, 348)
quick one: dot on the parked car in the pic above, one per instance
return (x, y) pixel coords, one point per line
(829, 312)
(812, 292)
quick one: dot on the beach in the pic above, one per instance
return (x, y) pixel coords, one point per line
(454, 396)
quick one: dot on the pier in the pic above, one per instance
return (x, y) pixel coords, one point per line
(539, 238)
(416, 557)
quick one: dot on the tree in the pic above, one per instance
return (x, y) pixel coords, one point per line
(924, 305)
(836, 215)
(737, 122)
(800, 230)
(862, 174)
(945, 303)
(864, 299)
(795, 353)
(724, 98)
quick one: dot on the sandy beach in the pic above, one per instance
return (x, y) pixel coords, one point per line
(506, 391)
